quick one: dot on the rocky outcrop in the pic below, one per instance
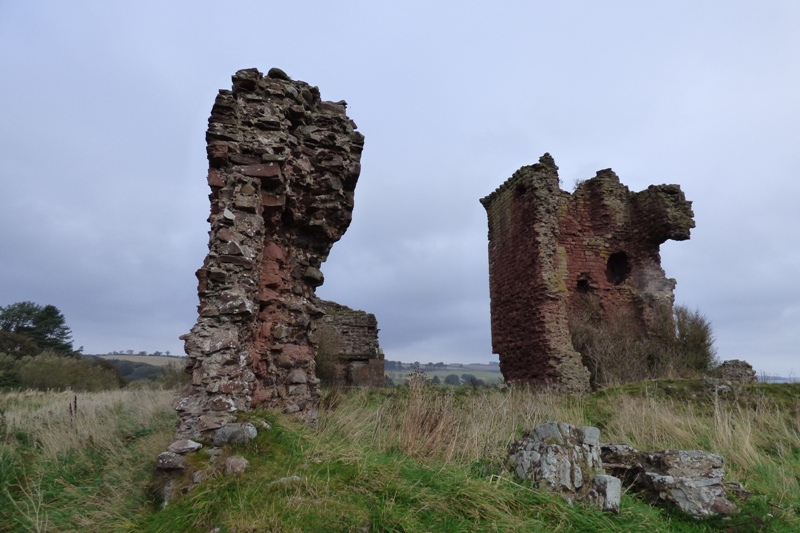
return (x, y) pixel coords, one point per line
(549, 250)
(571, 461)
(349, 339)
(283, 166)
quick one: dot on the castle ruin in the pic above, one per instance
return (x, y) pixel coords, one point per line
(283, 167)
(549, 249)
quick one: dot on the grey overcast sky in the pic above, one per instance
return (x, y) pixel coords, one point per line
(103, 110)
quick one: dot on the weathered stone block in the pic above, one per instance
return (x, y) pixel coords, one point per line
(235, 433)
(184, 446)
(692, 480)
(236, 464)
(170, 461)
(606, 493)
(556, 456)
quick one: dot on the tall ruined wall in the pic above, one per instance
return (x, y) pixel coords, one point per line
(527, 287)
(352, 337)
(549, 249)
(283, 165)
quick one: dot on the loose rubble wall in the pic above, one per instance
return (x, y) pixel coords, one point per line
(549, 249)
(283, 166)
(358, 358)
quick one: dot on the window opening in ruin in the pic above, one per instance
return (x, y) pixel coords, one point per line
(618, 268)
(584, 285)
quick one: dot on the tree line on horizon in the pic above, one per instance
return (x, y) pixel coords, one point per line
(36, 352)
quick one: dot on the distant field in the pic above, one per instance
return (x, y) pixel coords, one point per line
(489, 374)
(154, 360)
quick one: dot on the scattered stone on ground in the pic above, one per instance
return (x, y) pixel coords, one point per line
(170, 461)
(570, 461)
(236, 464)
(290, 480)
(235, 433)
(565, 459)
(183, 446)
(606, 493)
(690, 479)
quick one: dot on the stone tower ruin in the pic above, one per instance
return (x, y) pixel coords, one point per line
(548, 249)
(283, 167)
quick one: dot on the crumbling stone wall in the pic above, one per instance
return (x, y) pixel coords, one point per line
(549, 250)
(352, 338)
(736, 371)
(283, 166)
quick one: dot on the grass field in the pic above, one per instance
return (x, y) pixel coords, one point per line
(400, 459)
(154, 360)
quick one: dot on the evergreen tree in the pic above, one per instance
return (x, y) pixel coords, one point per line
(45, 326)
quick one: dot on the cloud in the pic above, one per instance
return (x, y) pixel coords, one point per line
(103, 168)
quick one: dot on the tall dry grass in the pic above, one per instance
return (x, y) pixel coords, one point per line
(443, 423)
(59, 423)
(461, 426)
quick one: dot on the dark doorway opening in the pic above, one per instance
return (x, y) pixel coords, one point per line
(618, 268)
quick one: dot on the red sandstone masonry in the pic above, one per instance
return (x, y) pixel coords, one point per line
(283, 165)
(548, 247)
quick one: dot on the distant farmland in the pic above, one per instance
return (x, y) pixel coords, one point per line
(155, 360)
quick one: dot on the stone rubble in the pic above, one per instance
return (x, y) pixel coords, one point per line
(736, 371)
(236, 464)
(692, 480)
(235, 433)
(170, 461)
(571, 461)
(184, 446)
(606, 493)
(564, 459)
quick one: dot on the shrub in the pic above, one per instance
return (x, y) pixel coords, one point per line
(173, 375)
(452, 379)
(695, 340)
(472, 381)
(616, 349)
(51, 371)
(8, 371)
